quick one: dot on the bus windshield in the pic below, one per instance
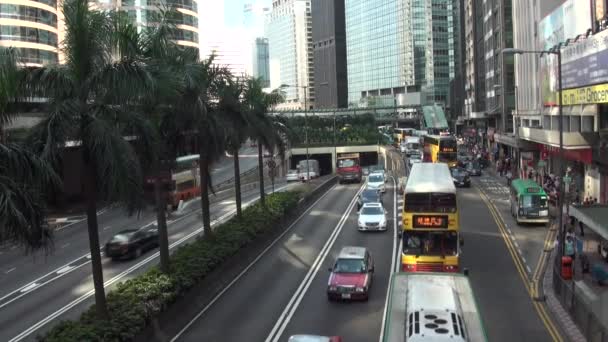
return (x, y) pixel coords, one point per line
(430, 202)
(430, 243)
(534, 201)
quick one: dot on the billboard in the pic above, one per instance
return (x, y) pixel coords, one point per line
(584, 62)
(570, 19)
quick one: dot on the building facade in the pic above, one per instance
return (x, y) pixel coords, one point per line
(261, 61)
(31, 27)
(329, 50)
(474, 62)
(289, 31)
(400, 49)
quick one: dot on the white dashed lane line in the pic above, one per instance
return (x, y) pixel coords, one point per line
(10, 270)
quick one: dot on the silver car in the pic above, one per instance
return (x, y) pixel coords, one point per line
(292, 176)
(372, 216)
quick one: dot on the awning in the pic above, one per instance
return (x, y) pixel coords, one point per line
(595, 217)
(590, 110)
(576, 110)
(547, 110)
(554, 110)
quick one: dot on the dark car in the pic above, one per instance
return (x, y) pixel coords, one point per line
(368, 196)
(473, 168)
(461, 177)
(352, 274)
(131, 243)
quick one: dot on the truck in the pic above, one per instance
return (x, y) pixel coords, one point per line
(312, 167)
(349, 168)
(412, 144)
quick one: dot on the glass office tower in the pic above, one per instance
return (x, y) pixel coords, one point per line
(399, 46)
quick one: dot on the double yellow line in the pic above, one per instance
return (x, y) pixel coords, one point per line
(531, 286)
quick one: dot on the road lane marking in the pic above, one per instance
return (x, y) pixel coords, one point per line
(106, 227)
(67, 307)
(394, 267)
(255, 261)
(10, 270)
(65, 245)
(294, 302)
(530, 289)
(29, 287)
(65, 269)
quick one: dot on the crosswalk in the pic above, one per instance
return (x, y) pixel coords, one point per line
(495, 188)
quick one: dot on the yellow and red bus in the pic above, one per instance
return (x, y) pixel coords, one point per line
(441, 149)
(431, 231)
(182, 182)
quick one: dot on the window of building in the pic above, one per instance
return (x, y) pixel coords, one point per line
(554, 123)
(587, 123)
(575, 123)
(603, 116)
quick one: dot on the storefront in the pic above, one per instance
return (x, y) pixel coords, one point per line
(579, 168)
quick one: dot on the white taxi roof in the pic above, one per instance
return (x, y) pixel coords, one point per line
(308, 338)
(372, 204)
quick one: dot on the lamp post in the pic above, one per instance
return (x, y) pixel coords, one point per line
(554, 51)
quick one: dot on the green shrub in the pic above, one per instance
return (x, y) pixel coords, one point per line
(133, 303)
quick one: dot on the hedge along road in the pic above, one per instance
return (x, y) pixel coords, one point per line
(19, 272)
(70, 293)
(258, 297)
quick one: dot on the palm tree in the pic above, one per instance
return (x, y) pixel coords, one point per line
(262, 127)
(197, 108)
(86, 98)
(231, 108)
(24, 178)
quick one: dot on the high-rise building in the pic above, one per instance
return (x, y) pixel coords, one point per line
(500, 76)
(261, 61)
(399, 47)
(31, 27)
(474, 85)
(457, 93)
(289, 30)
(329, 46)
(145, 13)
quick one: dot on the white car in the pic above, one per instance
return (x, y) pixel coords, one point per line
(415, 158)
(302, 175)
(372, 216)
(292, 176)
(375, 181)
(403, 148)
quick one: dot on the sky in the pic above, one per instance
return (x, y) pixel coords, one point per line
(233, 11)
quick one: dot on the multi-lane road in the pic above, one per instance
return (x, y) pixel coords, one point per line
(284, 291)
(37, 290)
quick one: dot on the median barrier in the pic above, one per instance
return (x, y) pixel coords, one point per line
(169, 322)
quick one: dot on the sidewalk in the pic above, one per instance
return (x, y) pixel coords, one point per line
(545, 268)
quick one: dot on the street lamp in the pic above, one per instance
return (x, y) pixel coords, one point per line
(305, 126)
(556, 50)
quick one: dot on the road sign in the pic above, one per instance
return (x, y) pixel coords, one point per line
(567, 179)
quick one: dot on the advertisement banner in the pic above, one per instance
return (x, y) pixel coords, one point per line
(570, 19)
(592, 94)
(584, 62)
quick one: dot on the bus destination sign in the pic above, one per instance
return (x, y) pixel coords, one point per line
(448, 149)
(430, 221)
(533, 190)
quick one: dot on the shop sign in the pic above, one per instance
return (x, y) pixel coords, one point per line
(584, 155)
(592, 94)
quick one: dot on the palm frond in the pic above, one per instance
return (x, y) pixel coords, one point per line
(11, 83)
(24, 180)
(117, 166)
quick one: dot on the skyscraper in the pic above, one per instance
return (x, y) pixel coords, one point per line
(261, 61)
(474, 60)
(329, 46)
(399, 47)
(290, 45)
(143, 14)
(32, 28)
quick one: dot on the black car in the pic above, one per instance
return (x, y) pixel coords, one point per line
(461, 177)
(473, 168)
(369, 196)
(131, 243)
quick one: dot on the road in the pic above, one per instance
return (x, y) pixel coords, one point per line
(290, 281)
(284, 292)
(32, 288)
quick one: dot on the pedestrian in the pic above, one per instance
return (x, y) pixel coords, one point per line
(569, 247)
(581, 225)
(509, 176)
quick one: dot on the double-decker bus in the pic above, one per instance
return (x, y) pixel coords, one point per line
(441, 149)
(432, 307)
(181, 182)
(430, 232)
(529, 202)
(400, 134)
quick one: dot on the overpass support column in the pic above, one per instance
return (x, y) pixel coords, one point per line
(334, 161)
